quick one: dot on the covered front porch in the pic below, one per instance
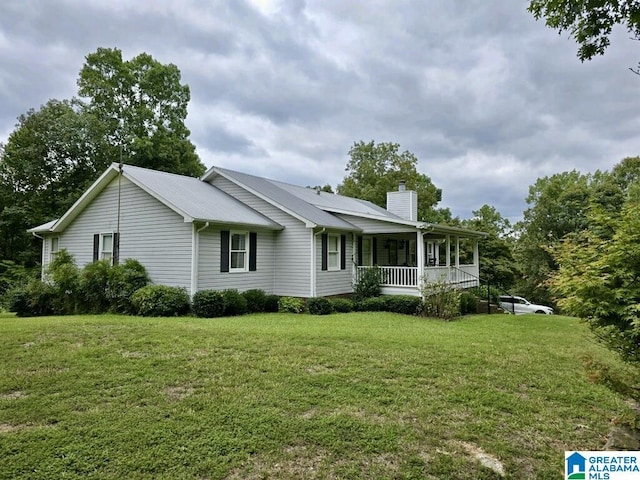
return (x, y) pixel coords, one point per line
(407, 260)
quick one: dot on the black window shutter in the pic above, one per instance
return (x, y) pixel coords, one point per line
(325, 250)
(343, 252)
(96, 247)
(375, 250)
(359, 251)
(116, 248)
(224, 251)
(253, 251)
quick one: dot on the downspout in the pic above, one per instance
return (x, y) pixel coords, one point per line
(195, 254)
(314, 268)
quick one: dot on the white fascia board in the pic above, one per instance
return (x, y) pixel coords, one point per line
(276, 226)
(369, 216)
(86, 198)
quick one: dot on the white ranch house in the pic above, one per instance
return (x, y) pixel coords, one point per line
(233, 230)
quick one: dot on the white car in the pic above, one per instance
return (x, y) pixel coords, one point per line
(520, 306)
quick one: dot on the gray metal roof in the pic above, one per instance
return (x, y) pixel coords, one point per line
(338, 203)
(196, 199)
(284, 198)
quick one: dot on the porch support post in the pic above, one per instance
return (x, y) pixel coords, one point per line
(476, 253)
(420, 256)
(448, 251)
(457, 252)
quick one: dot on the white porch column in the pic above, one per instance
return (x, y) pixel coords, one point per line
(420, 256)
(457, 252)
(448, 251)
(476, 253)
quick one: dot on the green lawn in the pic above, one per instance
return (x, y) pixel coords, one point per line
(362, 395)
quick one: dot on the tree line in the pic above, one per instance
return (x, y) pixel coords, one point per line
(577, 246)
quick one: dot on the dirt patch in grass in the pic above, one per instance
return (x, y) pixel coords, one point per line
(6, 428)
(178, 392)
(485, 459)
(12, 395)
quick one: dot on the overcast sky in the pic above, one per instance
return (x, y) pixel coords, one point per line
(488, 99)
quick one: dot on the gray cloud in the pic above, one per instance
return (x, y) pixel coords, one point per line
(486, 97)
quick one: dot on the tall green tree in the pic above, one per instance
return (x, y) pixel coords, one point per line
(497, 262)
(558, 206)
(589, 22)
(143, 107)
(47, 162)
(599, 276)
(375, 169)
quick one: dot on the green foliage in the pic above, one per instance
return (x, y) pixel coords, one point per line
(235, 303)
(66, 281)
(13, 275)
(271, 303)
(142, 106)
(34, 299)
(319, 306)
(589, 23)
(441, 300)
(94, 285)
(124, 279)
(290, 305)
(371, 304)
(404, 304)
(342, 305)
(368, 283)
(160, 301)
(468, 303)
(481, 293)
(598, 278)
(375, 169)
(209, 304)
(256, 300)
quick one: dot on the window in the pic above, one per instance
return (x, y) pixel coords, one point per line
(55, 248)
(105, 247)
(238, 252)
(366, 252)
(333, 252)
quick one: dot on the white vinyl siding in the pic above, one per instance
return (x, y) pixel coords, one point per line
(334, 282)
(291, 247)
(150, 232)
(210, 277)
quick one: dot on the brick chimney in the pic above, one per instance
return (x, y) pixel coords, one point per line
(403, 203)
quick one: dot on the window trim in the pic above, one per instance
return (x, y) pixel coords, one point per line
(101, 250)
(331, 253)
(245, 268)
(52, 252)
(367, 256)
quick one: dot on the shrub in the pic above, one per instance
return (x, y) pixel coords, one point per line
(160, 301)
(369, 283)
(271, 303)
(209, 304)
(290, 305)
(405, 304)
(36, 298)
(65, 278)
(468, 303)
(319, 306)
(124, 280)
(371, 304)
(441, 300)
(481, 293)
(342, 305)
(256, 300)
(235, 303)
(94, 286)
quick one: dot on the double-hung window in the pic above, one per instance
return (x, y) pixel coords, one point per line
(333, 252)
(55, 248)
(238, 251)
(106, 246)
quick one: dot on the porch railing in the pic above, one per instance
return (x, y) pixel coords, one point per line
(466, 276)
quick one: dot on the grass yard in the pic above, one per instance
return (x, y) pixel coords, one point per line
(357, 395)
